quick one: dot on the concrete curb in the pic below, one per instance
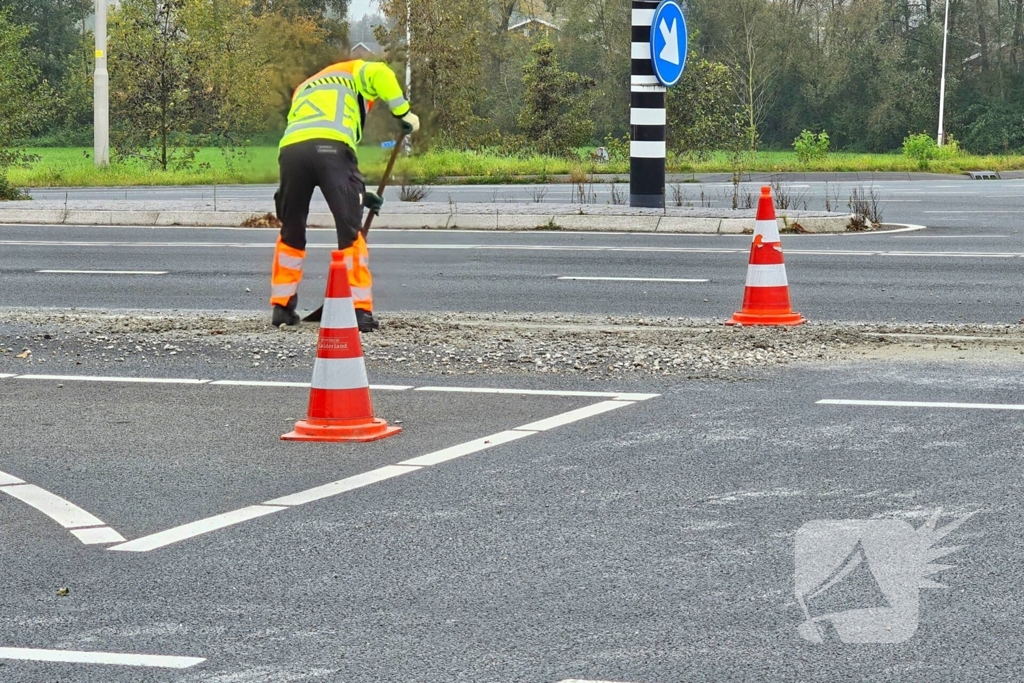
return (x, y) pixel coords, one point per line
(465, 217)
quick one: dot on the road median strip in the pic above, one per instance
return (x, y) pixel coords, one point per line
(439, 216)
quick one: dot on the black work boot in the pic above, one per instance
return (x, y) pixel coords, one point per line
(286, 315)
(366, 321)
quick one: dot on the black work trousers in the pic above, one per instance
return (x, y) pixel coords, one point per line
(333, 167)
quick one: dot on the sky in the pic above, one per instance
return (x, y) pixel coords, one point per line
(360, 7)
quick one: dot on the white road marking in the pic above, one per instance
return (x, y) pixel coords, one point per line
(468, 448)
(86, 527)
(541, 392)
(631, 279)
(104, 272)
(114, 658)
(3, 376)
(64, 512)
(342, 486)
(293, 385)
(205, 526)
(922, 404)
(235, 383)
(98, 536)
(574, 416)
(193, 529)
(130, 380)
(305, 385)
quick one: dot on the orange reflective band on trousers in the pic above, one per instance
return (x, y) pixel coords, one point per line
(286, 273)
(357, 261)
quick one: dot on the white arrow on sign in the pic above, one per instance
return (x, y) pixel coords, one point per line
(670, 53)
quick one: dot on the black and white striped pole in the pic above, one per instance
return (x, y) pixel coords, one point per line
(659, 41)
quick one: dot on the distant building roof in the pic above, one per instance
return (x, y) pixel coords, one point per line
(527, 22)
(369, 47)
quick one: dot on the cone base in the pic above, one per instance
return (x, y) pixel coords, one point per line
(371, 430)
(750, 319)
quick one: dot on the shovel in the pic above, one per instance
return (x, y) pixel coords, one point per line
(316, 315)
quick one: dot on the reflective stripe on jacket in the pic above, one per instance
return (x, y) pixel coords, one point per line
(332, 104)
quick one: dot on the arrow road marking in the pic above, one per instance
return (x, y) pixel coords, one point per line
(670, 53)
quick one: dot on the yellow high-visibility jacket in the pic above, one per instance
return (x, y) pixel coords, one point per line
(332, 104)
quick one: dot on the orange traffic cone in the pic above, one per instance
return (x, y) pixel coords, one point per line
(339, 398)
(766, 299)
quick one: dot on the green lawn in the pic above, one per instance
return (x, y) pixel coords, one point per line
(73, 167)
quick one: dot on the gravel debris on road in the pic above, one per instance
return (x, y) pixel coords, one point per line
(590, 347)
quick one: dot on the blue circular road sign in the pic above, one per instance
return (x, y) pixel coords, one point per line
(668, 42)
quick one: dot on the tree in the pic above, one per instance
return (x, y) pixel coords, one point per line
(446, 62)
(595, 40)
(701, 110)
(157, 95)
(54, 32)
(554, 118)
(24, 102)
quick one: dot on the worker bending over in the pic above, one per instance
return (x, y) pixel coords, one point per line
(318, 149)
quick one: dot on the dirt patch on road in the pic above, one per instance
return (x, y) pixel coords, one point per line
(595, 347)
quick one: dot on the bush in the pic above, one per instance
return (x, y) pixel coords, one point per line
(923, 149)
(810, 147)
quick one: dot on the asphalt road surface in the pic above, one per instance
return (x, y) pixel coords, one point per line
(942, 275)
(659, 542)
(944, 202)
(792, 526)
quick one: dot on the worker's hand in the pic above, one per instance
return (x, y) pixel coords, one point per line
(410, 123)
(373, 202)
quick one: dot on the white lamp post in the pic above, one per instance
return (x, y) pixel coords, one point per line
(408, 64)
(942, 85)
(101, 90)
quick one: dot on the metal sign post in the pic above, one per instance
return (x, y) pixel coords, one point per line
(659, 44)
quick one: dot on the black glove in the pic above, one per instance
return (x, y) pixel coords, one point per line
(373, 202)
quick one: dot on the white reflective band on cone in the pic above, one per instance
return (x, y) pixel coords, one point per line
(767, 276)
(339, 314)
(647, 150)
(769, 230)
(293, 262)
(339, 373)
(284, 290)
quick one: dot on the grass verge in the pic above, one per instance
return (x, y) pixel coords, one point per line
(73, 167)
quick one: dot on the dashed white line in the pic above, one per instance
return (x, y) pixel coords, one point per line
(921, 404)
(113, 658)
(104, 272)
(633, 279)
